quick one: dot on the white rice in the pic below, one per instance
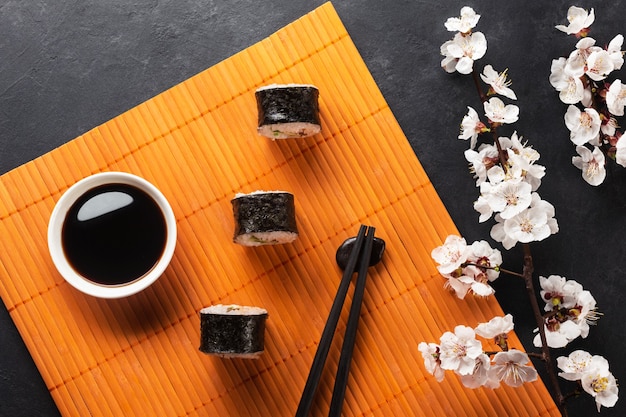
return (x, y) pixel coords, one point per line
(261, 192)
(290, 85)
(234, 310)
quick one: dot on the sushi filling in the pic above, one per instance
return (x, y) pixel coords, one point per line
(264, 218)
(288, 111)
(265, 238)
(289, 130)
(232, 331)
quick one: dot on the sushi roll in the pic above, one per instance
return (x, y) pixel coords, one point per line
(264, 218)
(288, 111)
(232, 331)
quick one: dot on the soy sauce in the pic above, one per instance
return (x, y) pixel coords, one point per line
(114, 234)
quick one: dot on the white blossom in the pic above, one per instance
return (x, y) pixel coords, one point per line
(571, 310)
(591, 164)
(570, 87)
(533, 224)
(557, 74)
(459, 284)
(448, 63)
(430, 353)
(481, 161)
(496, 174)
(482, 206)
(584, 125)
(531, 173)
(515, 143)
(499, 235)
(530, 225)
(495, 327)
(509, 198)
(471, 278)
(588, 96)
(616, 98)
(558, 335)
(548, 209)
(585, 313)
(511, 368)
(615, 51)
(459, 350)
(483, 255)
(576, 63)
(599, 65)
(461, 52)
(480, 375)
(593, 373)
(451, 255)
(620, 154)
(594, 61)
(574, 365)
(520, 164)
(465, 23)
(579, 19)
(471, 126)
(498, 82)
(477, 272)
(498, 112)
(558, 292)
(477, 283)
(609, 126)
(521, 161)
(600, 383)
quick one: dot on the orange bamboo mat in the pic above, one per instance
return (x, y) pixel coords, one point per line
(197, 142)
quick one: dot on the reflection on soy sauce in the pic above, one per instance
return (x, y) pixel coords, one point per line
(114, 234)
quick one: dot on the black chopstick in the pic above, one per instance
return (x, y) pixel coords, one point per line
(329, 329)
(341, 380)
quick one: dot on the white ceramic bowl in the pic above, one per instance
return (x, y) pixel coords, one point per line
(55, 227)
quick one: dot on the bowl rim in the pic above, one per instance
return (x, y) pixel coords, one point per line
(59, 213)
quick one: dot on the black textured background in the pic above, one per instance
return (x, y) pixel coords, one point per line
(67, 66)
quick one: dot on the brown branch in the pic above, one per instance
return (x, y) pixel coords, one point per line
(493, 127)
(479, 89)
(513, 273)
(495, 268)
(545, 349)
(527, 275)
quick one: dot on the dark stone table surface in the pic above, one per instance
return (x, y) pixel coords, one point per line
(67, 66)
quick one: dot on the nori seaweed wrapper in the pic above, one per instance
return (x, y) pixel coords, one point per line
(232, 334)
(288, 104)
(264, 212)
